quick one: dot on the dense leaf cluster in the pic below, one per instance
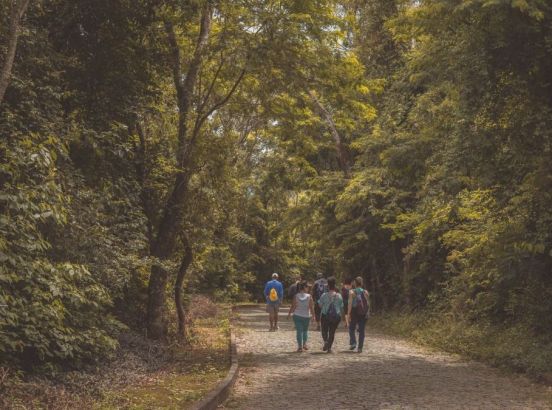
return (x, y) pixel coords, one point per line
(406, 142)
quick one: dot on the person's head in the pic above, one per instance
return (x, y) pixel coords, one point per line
(319, 275)
(358, 282)
(347, 282)
(275, 276)
(302, 286)
(331, 283)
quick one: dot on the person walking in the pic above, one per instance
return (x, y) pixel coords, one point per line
(292, 290)
(318, 289)
(331, 307)
(274, 295)
(302, 309)
(358, 309)
(345, 289)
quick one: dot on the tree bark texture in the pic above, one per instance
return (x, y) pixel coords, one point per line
(185, 263)
(18, 9)
(170, 224)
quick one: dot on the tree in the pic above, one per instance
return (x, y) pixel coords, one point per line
(18, 8)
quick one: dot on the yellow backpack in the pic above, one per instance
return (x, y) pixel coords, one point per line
(273, 295)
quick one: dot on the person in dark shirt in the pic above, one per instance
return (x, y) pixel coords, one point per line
(319, 287)
(345, 288)
(292, 290)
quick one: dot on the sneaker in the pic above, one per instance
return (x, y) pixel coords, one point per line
(352, 347)
(276, 327)
(329, 351)
(359, 350)
(299, 350)
(305, 347)
(325, 348)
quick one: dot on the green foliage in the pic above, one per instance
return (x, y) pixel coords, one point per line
(51, 311)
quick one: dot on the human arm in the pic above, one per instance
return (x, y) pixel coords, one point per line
(293, 306)
(311, 307)
(350, 304)
(266, 290)
(280, 290)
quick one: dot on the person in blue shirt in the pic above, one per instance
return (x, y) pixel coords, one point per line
(273, 300)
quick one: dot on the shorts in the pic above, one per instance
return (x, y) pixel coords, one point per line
(273, 308)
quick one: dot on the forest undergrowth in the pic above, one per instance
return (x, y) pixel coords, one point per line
(143, 374)
(512, 348)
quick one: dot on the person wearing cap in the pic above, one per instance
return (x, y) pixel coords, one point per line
(319, 287)
(274, 294)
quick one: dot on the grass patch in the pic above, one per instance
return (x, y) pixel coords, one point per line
(513, 347)
(145, 374)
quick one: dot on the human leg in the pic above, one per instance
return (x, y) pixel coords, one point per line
(306, 324)
(361, 333)
(269, 310)
(325, 327)
(331, 334)
(317, 314)
(275, 315)
(352, 334)
(298, 331)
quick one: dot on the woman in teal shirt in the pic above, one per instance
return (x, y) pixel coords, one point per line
(331, 306)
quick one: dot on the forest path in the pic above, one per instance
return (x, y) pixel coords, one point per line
(389, 374)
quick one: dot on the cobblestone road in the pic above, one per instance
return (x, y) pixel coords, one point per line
(389, 374)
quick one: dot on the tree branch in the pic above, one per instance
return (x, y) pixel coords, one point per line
(18, 9)
(201, 118)
(342, 157)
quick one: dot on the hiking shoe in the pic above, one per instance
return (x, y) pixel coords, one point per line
(325, 348)
(352, 347)
(305, 347)
(329, 351)
(359, 350)
(299, 350)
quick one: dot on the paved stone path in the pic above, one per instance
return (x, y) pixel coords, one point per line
(389, 374)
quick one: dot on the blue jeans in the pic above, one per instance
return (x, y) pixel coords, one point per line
(302, 329)
(361, 322)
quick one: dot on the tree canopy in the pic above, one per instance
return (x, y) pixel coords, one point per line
(154, 149)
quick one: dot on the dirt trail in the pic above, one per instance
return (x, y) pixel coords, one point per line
(389, 374)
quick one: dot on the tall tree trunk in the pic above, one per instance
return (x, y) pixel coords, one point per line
(18, 9)
(342, 156)
(164, 244)
(185, 263)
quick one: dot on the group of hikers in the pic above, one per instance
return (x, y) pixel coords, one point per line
(326, 304)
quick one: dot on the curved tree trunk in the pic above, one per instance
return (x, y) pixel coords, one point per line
(171, 218)
(18, 9)
(186, 261)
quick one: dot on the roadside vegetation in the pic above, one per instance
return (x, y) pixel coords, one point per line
(142, 375)
(151, 150)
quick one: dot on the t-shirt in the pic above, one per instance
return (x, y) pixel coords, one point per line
(326, 300)
(302, 309)
(345, 297)
(279, 290)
